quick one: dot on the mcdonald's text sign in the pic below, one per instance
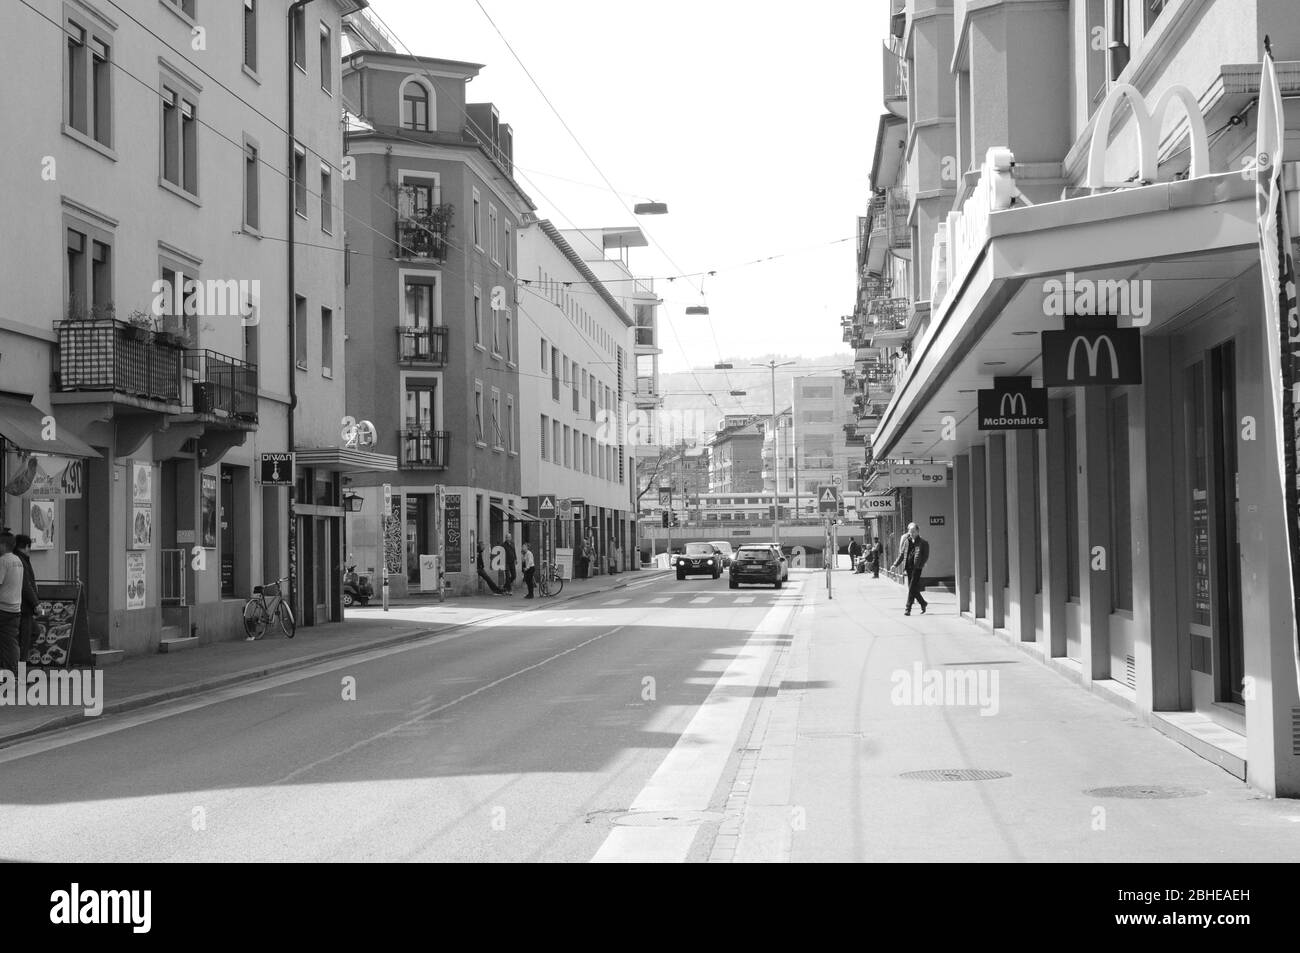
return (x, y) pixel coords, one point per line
(1013, 404)
(1092, 352)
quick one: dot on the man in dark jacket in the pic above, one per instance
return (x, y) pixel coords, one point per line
(26, 618)
(855, 553)
(913, 551)
(511, 558)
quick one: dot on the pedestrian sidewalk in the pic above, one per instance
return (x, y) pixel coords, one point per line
(863, 696)
(149, 679)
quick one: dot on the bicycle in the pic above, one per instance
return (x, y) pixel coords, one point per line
(260, 615)
(549, 580)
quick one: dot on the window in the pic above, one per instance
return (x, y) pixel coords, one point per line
(497, 435)
(326, 342)
(300, 38)
(250, 34)
(478, 413)
(1121, 566)
(184, 6)
(300, 180)
(326, 58)
(326, 200)
(300, 331)
(568, 458)
(496, 332)
(420, 406)
(89, 269)
(1038, 512)
(545, 426)
(508, 336)
(477, 224)
(492, 232)
(173, 308)
(1154, 9)
(89, 93)
(544, 352)
(510, 423)
(505, 244)
(555, 374)
(1070, 435)
(180, 158)
(252, 188)
(556, 453)
(478, 318)
(415, 107)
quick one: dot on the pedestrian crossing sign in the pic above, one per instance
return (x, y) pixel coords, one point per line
(828, 499)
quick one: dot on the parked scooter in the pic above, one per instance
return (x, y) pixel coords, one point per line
(356, 588)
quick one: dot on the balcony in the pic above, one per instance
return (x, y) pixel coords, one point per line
(222, 386)
(895, 85)
(422, 345)
(889, 321)
(422, 449)
(645, 337)
(423, 224)
(890, 232)
(111, 356)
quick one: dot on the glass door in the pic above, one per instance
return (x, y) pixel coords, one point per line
(1228, 640)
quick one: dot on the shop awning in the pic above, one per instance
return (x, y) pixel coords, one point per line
(343, 460)
(1187, 238)
(514, 514)
(23, 425)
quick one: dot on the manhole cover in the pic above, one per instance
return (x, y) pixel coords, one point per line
(665, 818)
(955, 774)
(1145, 791)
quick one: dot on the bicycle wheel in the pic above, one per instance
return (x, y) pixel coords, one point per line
(557, 584)
(287, 624)
(255, 620)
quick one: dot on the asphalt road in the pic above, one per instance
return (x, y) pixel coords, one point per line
(530, 739)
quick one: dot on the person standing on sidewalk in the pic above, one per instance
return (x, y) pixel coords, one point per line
(511, 561)
(31, 597)
(11, 602)
(874, 552)
(855, 553)
(913, 551)
(530, 570)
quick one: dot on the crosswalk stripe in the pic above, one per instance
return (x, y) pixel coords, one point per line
(743, 600)
(614, 602)
(660, 600)
(702, 600)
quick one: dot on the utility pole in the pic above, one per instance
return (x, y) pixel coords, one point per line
(776, 446)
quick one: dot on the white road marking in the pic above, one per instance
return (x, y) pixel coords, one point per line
(614, 602)
(660, 600)
(744, 600)
(702, 601)
(691, 772)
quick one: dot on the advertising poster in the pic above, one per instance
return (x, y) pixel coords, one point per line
(141, 482)
(42, 519)
(135, 580)
(141, 527)
(208, 509)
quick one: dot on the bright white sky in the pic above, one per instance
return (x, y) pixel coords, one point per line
(753, 120)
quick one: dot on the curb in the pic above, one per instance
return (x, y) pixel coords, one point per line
(146, 699)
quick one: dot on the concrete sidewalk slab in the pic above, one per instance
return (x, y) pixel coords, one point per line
(874, 695)
(151, 679)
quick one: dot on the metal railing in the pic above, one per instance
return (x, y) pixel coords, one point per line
(104, 354)
(72, 565)
(423, 345)
(172, 583)
(222, 384)
(423, 223)
(895, 86)
(423, 449)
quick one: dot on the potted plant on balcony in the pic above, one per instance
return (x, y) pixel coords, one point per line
(139, 326)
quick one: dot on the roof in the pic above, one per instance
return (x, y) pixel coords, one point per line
(575, 259)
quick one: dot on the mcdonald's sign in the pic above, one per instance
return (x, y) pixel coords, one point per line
(1092, 352)
(1014, 403)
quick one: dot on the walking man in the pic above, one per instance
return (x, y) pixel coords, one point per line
(31, 598)
(913, 551)
(11, 602)
(855, 553)
(511, 560)
(530, 570)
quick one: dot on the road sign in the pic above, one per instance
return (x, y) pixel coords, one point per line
(936, 520)
(277, 469)
(877, 505)
(388, 497)
(1013, 404)
(836, 479)
(1092, 352)
(665, 496)
(828, 498)
(918, 474)
(546, 506)
(564, 508)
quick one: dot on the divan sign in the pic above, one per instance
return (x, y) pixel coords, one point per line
(1149, 123)
(958, 241)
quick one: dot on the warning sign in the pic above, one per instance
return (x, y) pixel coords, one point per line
(828, 499)
(546, 506)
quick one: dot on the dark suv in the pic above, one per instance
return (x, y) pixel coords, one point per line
(700, 559)
(762, 564)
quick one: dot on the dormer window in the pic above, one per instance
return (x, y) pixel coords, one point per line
(415, 106)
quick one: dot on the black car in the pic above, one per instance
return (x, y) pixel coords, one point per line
(700, 559)
(760, 564)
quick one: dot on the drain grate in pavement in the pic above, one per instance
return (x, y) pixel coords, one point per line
(1146, 791)
(955, 774)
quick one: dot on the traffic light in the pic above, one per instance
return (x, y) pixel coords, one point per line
(665, 519)
(677, 519)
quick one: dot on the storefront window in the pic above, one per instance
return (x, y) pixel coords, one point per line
(1071, 437)
(1200, 493)
(1121, 566)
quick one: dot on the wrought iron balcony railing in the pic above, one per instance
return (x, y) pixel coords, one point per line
(423, 449)
(104, 354)
(222, 384)
(423, 223)
(422, 345)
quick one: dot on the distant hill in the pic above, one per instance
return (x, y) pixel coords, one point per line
(687, 404)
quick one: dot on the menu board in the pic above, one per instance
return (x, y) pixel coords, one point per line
(1200, 558)
(62, 635)
(451, 521)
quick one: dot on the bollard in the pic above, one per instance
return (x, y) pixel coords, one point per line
(385, 591)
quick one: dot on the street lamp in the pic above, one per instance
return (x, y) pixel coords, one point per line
(353, 501)
(650, 208)
(776, 456)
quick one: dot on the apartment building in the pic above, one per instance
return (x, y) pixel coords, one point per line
(1091, 275)
(573, 334)
(147, 354)
(736, 455)
(433, 350)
